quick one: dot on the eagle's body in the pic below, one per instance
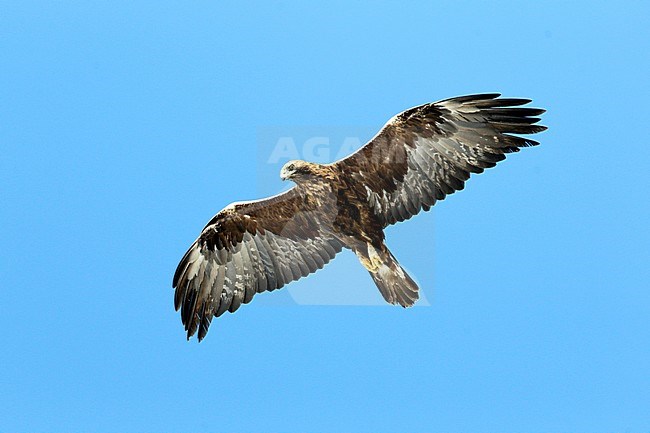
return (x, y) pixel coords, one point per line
(419, 157)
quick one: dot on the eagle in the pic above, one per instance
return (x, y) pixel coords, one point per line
(418, 158)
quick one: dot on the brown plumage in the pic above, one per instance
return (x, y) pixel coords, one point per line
(419, 157)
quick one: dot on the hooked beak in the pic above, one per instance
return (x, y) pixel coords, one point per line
(284, 174)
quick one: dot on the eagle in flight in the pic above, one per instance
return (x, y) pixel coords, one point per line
(418, 158)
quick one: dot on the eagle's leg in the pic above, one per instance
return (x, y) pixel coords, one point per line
(395, 285)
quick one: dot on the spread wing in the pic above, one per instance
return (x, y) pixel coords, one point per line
(245, 249)
(427, 152)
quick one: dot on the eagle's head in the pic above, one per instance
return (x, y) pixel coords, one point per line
(298, 170)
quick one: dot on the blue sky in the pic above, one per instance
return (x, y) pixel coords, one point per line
(124, 126)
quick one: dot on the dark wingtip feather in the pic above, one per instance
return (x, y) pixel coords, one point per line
(206, 318)
(517, 128)
(522, 142)
(506, 116)
(181, 267)
(194, 324)
(475, 97)
(502, 102)
(177, 299)
(187, 310)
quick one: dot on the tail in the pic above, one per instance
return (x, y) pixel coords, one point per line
(395, 285)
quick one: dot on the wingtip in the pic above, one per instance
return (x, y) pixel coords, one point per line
(188, 333)
(473, 97)
(480, 96)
